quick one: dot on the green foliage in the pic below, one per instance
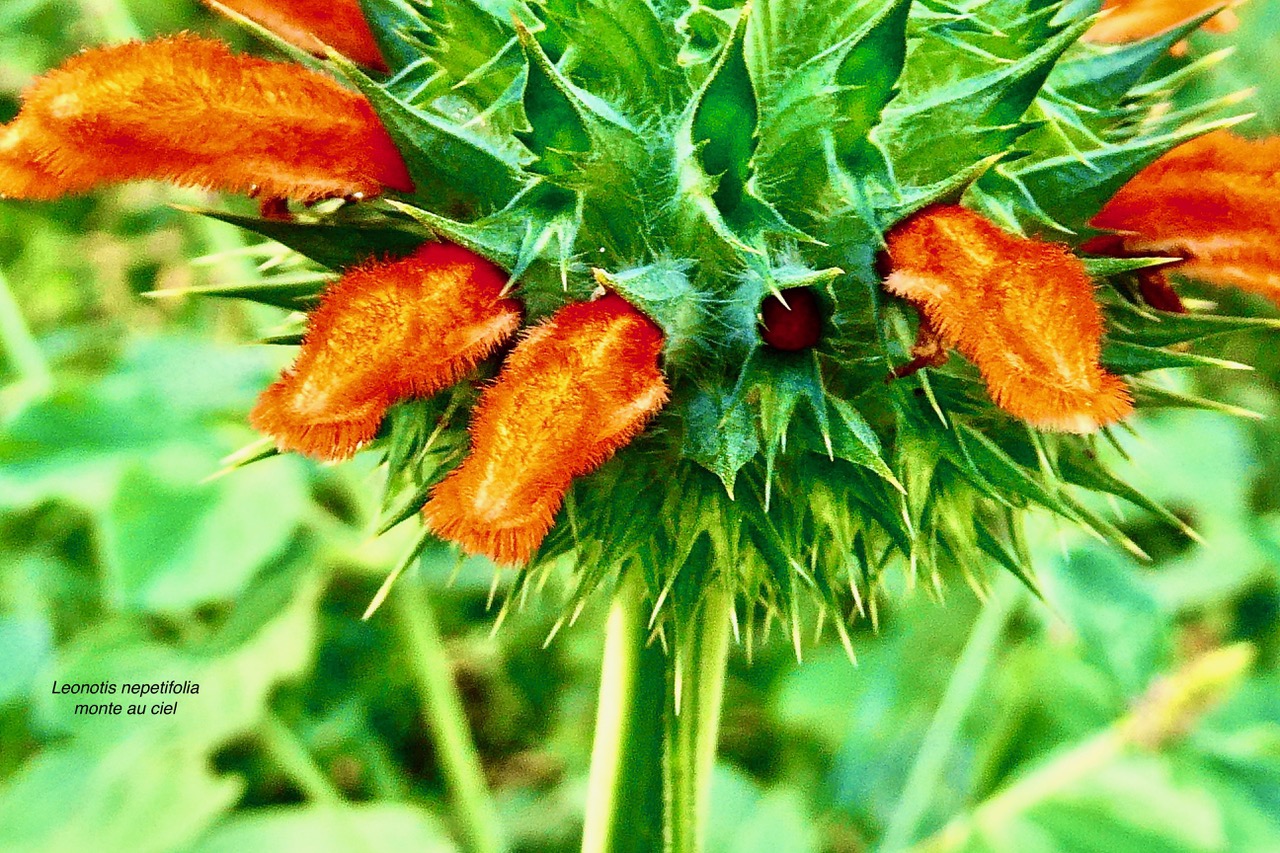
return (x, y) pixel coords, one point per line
(157, 766)
(330, 830)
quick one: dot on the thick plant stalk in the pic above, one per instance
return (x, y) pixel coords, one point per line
(694, 698)
(656, 727)
(624, 796)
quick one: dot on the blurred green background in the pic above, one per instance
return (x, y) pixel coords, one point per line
(1093, 722)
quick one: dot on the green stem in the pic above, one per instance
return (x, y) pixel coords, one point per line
(292, 757)
(696, 693)
(624, 794)
(651, 763)
(442, 705)
(290, 754)
(944, 730)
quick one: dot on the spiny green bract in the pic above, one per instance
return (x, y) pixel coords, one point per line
(697, 158)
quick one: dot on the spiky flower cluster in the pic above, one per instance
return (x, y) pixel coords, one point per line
(741, 242)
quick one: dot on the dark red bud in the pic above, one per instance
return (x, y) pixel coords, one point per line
(793, 326)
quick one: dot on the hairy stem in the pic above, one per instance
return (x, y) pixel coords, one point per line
(656, 726)
(474, 812)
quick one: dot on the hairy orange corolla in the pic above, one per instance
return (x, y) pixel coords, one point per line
(1211, 201)
(1022, 310)
(1130, 20)
(385, 332)
(198, 115)
(575, 389)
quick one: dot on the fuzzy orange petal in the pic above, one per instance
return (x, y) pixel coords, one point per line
(1213, 201)
(384, 332)
(1131, 20)
(574, 390)
(312, 24)
(1022, 310)
(187, 110)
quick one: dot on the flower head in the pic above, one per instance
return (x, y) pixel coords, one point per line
(1022, 310)
(187, 110)
(735, 187)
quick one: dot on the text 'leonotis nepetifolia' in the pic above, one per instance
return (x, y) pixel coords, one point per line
(637, 280)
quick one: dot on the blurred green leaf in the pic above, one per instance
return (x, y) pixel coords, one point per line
(1116, 618)
(1141, 802)
(144, 783)
(26, 646)
(173, 546)
(322, 829)
(746, 819)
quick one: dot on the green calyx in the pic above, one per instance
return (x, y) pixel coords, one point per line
(697, 159)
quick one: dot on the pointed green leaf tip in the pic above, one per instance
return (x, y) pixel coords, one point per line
(841, 74)
(873, 61)
(437, 150)
(720, 434)
(664, 291)
(1099, 76)
(724, 123)
(557, 128)
(336, 244)
(943, 122)
(627, 47)
(697, 160)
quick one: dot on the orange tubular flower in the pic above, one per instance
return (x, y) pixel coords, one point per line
(386, 331)
(575, 389)
(311, 25)
(187, 110)
(1131, 20)
(1213, 201)
(1022, 310)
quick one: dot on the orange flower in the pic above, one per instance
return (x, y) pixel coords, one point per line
(386, 331)
(1022, 310)
(311, 25)
(576, 389)
(187, 110)
(1131, 20)
(1213, 201)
